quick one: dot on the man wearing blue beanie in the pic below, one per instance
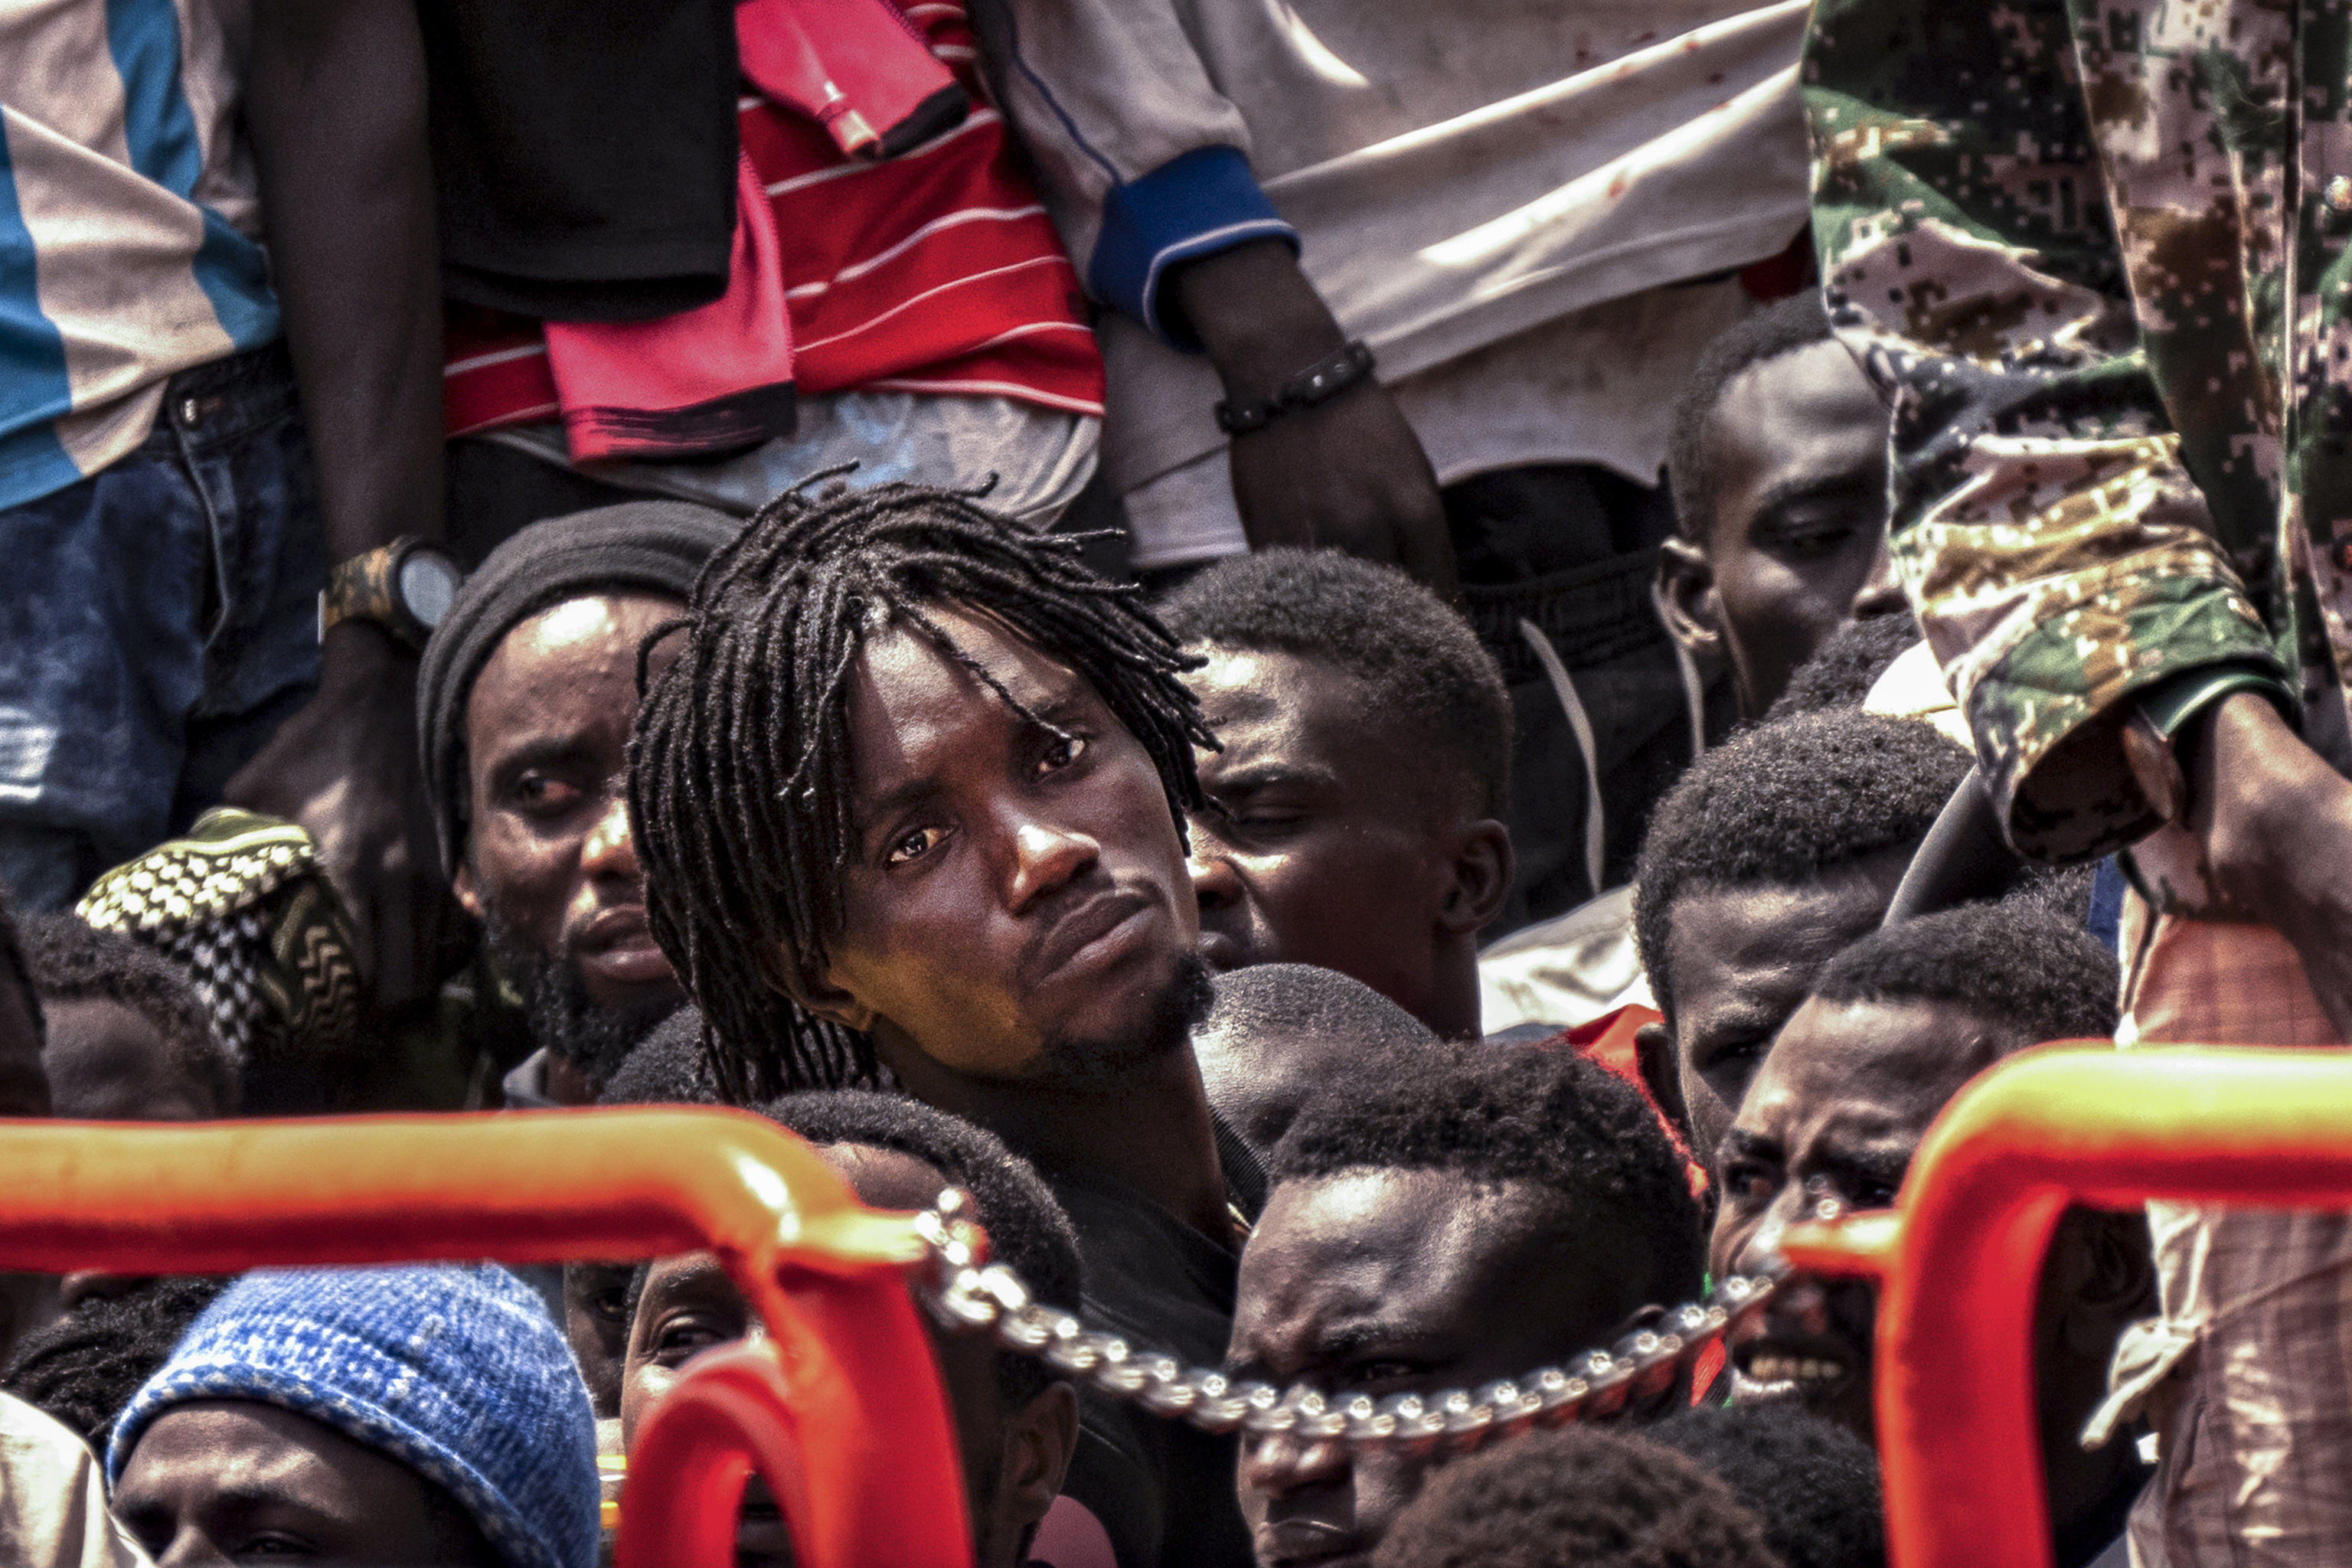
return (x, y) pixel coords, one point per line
(426, 1416)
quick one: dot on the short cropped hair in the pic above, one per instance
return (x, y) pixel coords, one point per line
(1784, 327)
(1810, 1483)
(1417, 660)
(1780, 805)
(1281, 999)
(1505, 1113)
(1276, 1032)
(1027, 1230)
(72, 960)
(665, 1068)
(84, 1367)
(1846, 666)
(2013, 962)
(1577, 1497)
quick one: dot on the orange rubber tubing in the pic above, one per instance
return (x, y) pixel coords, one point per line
(1958, 1260)
(842, 1410)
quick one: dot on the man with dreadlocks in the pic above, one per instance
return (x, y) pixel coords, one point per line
(911, 797)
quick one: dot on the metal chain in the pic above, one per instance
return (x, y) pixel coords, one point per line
(963, 1290)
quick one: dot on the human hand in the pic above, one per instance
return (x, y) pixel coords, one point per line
(2275, 822)
(1350, 473)
(345, 767)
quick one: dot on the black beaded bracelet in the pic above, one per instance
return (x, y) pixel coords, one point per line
(1321, 382)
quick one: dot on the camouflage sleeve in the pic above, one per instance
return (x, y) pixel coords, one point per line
(2048, 529)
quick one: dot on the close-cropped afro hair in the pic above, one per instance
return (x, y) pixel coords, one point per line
(1027, 1230)
(2014, 963)
(665, 1068)
(1277, 1032)
(1577, 1497)
(1783, 326)
(1781, 803)
(72, 960)
(1506, 1113)
(1810, 1483)
(84, 1367)
(1273, 1003)
(1417, 660)
(1846, 666)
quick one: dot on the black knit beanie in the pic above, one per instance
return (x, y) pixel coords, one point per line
(648, 546)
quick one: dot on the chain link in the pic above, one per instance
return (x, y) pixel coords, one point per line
(964, 1290)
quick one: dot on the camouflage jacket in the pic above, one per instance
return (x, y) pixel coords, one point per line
(2095, 253)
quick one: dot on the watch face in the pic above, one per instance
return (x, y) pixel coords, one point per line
(428, 586)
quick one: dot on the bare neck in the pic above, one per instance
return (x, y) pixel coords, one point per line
(1454, 1004)
(1150, 1132)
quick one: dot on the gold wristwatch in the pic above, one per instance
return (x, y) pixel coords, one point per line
(406, 587)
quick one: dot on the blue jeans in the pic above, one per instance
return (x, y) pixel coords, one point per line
(158, 622)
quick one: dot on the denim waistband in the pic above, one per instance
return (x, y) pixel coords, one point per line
(227, 399)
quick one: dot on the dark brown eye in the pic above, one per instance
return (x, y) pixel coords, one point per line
(1062, 753)
(914, 845)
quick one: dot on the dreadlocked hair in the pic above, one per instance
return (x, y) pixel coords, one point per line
(740, 786)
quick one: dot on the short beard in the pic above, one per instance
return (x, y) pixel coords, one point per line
(1165, 1029)
(564, 1018)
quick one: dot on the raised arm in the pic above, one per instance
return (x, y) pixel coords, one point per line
(2060, 252)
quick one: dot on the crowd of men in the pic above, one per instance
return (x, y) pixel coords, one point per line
(1396, 677)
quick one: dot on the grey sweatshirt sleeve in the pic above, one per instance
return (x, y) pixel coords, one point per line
(1143, 162)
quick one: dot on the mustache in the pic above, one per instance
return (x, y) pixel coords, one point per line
(562, 1016)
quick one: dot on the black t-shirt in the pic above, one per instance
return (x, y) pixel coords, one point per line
(1163, 1490)
(584, 158)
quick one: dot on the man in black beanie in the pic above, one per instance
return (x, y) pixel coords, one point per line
(524, 705)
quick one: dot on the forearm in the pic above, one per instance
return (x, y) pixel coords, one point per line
(337, 105)
(1257, 317)
(2059, 553)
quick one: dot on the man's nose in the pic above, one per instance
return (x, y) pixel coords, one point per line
(1881, 592)
(1215, 883)
(1045, 858)
(609, 851)
(1761, 1245)
(1279, 1463)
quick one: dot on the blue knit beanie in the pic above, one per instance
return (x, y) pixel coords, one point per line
(456, 1371)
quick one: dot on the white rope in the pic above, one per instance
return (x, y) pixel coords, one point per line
(1596, 838)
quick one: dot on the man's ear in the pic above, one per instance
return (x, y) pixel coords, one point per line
(1483, 865)
(1687, 590)
(1660, 1062)
(1039, 1439)
(835, 1004)
(468, 891)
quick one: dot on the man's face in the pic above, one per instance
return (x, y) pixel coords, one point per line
(550, 864)
(690, 1305)
(219, 1481)
(1387, 1281)
(596, 1324)
(109, 1062)
(1798, 542)
(1741, 959)
(1015, 905)
(1837, 1113)
(1323, 838)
